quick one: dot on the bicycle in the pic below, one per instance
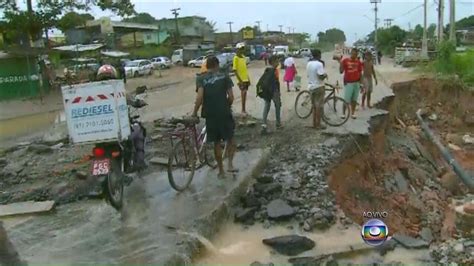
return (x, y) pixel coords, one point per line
(182, 157)
(336, 109)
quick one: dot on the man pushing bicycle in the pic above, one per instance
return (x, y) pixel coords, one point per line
(216, 97)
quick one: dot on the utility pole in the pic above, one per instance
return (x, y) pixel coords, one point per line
(440, 20)
(175, 13)
(230, 31)
(452, 21)
(424, 43)
(258, 23)
(289, 30)
(281, 28)
(388, 22)
(376, 9)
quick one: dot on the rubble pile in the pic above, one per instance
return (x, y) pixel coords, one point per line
(460, 251)
(39, 171)
(292, 188)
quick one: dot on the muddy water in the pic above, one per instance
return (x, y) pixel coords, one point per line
(239, 246)
(31, 124)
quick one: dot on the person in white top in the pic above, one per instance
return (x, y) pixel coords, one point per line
(316, 76)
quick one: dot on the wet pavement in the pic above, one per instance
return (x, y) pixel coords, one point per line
(149, 229)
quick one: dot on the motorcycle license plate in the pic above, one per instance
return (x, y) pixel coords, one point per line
(100, 167)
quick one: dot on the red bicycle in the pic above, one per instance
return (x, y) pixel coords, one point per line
(188, 147)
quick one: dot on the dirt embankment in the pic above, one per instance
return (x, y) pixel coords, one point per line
(401, 172)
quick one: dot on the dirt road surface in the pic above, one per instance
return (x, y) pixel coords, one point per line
(156, 222)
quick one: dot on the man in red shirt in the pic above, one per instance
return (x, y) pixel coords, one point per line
(352, 69)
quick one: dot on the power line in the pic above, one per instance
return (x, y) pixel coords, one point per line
(409, 11)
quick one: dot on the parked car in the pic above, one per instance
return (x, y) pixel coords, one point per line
(82, 68)
(124, 61)
(161, 62)
(247, 59)
(137, 68)
(281, 50)
(305, 52)
(197, 62)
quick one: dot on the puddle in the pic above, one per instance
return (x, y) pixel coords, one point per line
(238, 246)
(25, 125)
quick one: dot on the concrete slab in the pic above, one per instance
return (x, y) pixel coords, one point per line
(159, 160)
(27, 207)
(154, 226)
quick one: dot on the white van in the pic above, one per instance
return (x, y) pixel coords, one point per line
(177, 56)
(281, 50)
(305, 52)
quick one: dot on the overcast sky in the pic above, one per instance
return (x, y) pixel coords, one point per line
(354, 17)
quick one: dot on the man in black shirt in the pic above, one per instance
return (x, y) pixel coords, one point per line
(216, 97)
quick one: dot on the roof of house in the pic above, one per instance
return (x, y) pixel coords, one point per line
(120, 24)
(80, 47)
(180, 18)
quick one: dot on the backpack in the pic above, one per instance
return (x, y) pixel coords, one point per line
(265, 84)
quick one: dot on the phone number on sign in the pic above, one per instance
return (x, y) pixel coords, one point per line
(94, 123)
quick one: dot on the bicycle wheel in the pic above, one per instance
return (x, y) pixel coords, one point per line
(303, 105)
(181, 164)
(336, 111)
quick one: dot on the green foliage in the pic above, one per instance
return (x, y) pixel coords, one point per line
(150, 51)
(323, 46)
(389, 38)
(450, 63)
(143, 18)
(430, 32)
(55, 58)
(212, 24)
(417, 33)
(72, 19)
(332, 36)
(463, 23)
(47, 12)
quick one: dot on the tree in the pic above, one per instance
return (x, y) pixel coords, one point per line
(143, 18)
(335, 36)
(212, 24)
(300, 38)
(418, 32)
(430, 32)
(33, 21)
(332, 36)
(389, 38)
(463, 23)
(72, 19)
(321, 37)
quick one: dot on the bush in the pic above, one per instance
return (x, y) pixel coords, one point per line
(450, 63)
(323, 46)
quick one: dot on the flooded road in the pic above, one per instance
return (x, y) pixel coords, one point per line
(146, 231)
(30, 124)
(239, 246)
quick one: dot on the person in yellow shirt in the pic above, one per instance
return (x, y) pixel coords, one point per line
(240, 68)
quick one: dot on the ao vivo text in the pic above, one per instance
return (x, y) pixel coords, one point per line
(375, 214)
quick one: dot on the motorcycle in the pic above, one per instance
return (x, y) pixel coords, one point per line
(112, 160)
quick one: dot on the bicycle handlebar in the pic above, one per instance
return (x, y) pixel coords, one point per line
(331, 85)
